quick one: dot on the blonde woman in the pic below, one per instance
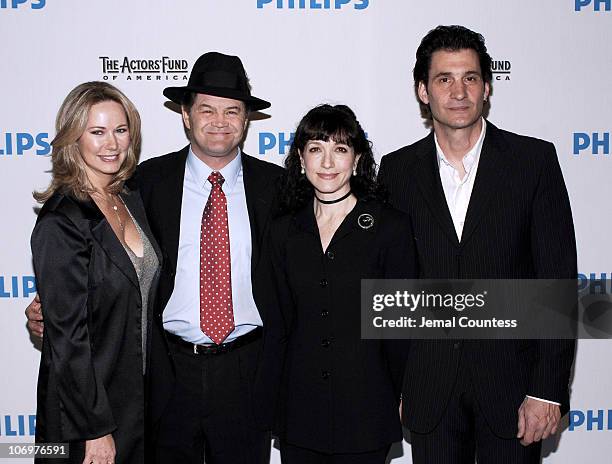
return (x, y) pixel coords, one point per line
(96, 263)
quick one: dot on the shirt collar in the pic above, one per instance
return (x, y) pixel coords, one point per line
(200, 171)
(471, 157)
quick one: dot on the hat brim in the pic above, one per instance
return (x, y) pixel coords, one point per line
(255, 104)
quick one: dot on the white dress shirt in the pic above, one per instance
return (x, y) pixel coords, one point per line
(182, 313)
(458, 191)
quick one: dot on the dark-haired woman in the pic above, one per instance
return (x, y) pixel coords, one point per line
(339, 394)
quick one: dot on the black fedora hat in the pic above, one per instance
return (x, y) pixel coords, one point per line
(221, 76)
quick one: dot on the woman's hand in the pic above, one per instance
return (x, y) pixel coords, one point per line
(100, 451)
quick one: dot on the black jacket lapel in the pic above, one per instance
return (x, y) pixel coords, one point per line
(259, 193)
(489, 178)
(428, 179)
(103, 233)
(168, 202)
(305, 219)
(362, 218)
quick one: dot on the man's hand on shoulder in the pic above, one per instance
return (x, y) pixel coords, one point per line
(537, 420)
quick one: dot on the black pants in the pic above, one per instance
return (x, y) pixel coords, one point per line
(463, 435)
(210, 413)
(296, 455)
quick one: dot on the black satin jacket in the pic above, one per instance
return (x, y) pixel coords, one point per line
(90, 381)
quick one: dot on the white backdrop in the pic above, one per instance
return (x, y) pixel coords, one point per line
(557, 58)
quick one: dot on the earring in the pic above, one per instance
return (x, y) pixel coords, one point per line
(354, 170)
(302, 171)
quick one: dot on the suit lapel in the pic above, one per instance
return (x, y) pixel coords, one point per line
(168, 200)
(492, 169)
(103, 233)
(259, 198)
(305, 220)
(362, 218)
(428, 179)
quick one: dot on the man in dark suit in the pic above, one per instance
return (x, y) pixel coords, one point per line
(208, 206)
(203, 400)
(485, 203)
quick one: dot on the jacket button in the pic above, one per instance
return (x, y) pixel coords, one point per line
(323, 283)
(331, 255)
(325, 343)
(324, 313)
(457, 345)
(325, 374)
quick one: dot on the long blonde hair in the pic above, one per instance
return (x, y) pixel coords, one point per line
(67, 167)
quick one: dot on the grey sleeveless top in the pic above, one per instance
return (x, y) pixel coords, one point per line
(146, 267)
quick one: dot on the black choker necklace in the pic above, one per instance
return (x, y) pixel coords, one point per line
(337, 200)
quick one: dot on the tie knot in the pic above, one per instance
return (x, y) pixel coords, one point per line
(216, 178)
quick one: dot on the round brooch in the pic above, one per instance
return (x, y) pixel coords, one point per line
(365, 221)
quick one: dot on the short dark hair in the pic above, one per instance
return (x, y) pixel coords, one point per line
(325, 122)
(450, 38)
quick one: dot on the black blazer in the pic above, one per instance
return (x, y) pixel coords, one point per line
(518, 225)
(340, 394)
(161, 182)
(92, 352)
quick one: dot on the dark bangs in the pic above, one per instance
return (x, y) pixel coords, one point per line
(326, 123)
(339, 124)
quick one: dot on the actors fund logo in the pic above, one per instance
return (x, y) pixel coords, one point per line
(159, 69)
(501, 70)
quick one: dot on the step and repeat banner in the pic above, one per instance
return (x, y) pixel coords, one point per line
(552, 68)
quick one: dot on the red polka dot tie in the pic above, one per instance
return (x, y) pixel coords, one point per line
(216, 309)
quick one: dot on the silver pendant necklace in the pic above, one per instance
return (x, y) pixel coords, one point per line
(116, 210)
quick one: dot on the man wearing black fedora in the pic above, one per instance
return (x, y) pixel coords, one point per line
(211, 378)
(209, 205)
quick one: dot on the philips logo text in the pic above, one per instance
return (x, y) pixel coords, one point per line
(18, 426)
(269, 140)
(17, 286)
(590, 419)
(595, 5)
(597, 284)
(20, 142)
(314, 4)
(598, 142)
(281, 141)
(34, 5)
